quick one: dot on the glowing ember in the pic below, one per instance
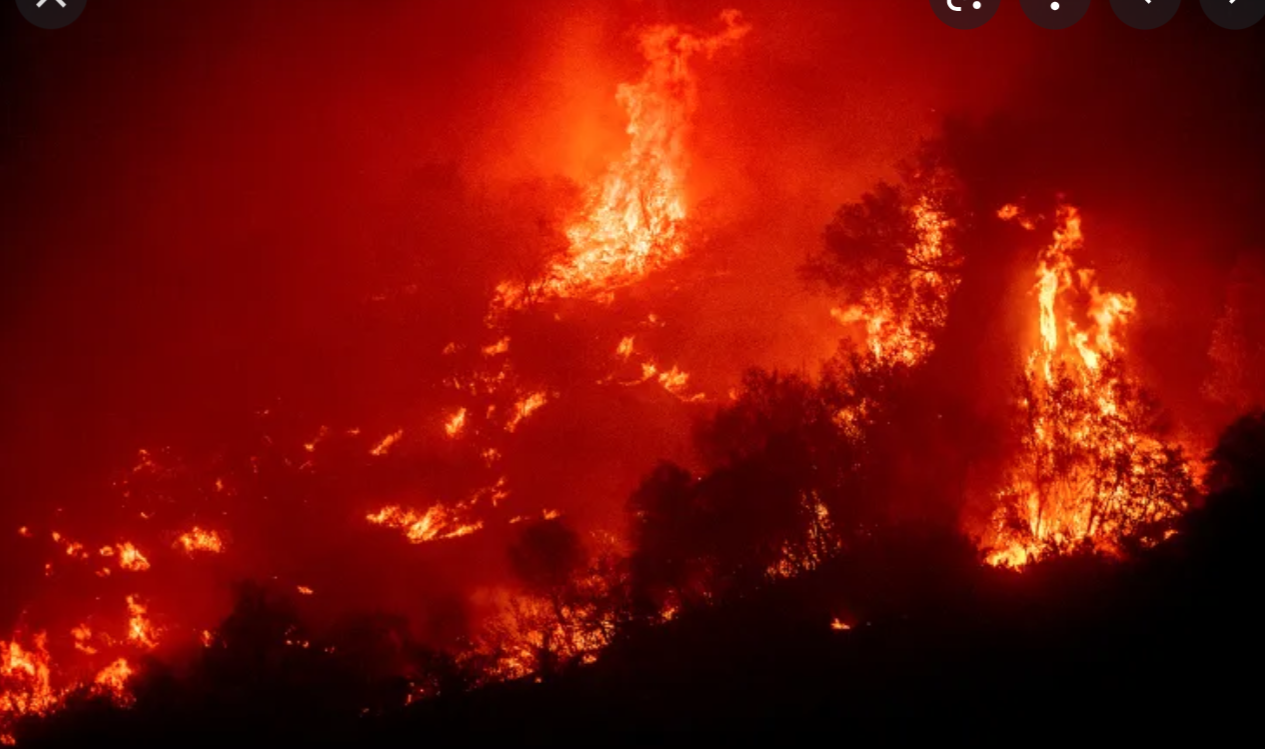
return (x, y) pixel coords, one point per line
(455, 424)
(839, 625)
(145, 463)
(73, 549)
(82, 635)
(525, 408)
(311, 446)
(436, 523)
(199, 540)
(304, 590)
(674, 380)
(130, 558)
(139, 630)
(1092, 471)
(384, 446)
(631, 225)
(677, 382)
(625, 348)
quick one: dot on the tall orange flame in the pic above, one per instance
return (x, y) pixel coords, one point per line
(631, 223)
(1092, 471)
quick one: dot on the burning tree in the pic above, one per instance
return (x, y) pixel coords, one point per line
(892, 257)
(797, 472)
(1091, 465)
(565, 611)
(1093, 469)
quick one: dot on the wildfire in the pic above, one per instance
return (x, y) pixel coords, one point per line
(455, 424)
(113, 679)
(198, 539)
(26, 680)
(500, 347)
(82, 635)
(1092, 471)
(386, 443)
(675, 380)
(901, 318)
(524, 408)
(436, 523)
(140, 631)
(25, 683)
(525, 629)
(130, 558)
(311, 446)
(631, 224)
(73, 549)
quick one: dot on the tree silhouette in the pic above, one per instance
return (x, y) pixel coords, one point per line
(1238, 460)
(566, 610)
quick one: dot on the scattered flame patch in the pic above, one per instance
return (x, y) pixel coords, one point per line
(130, 558)
(526, 407)
(455, 424)
(386, 443)
(82, 635)
(435, 524)
(199, 540)
(139, 629)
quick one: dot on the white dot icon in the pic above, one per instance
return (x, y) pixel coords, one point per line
(977, 5)
(1054, 6)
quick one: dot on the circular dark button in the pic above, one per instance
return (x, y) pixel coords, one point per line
(1146, 14)
(51, 14)
(965, 14)
(1234, 14)
(1055, 15)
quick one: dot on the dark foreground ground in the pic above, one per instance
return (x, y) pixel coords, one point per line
(1163, 647)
